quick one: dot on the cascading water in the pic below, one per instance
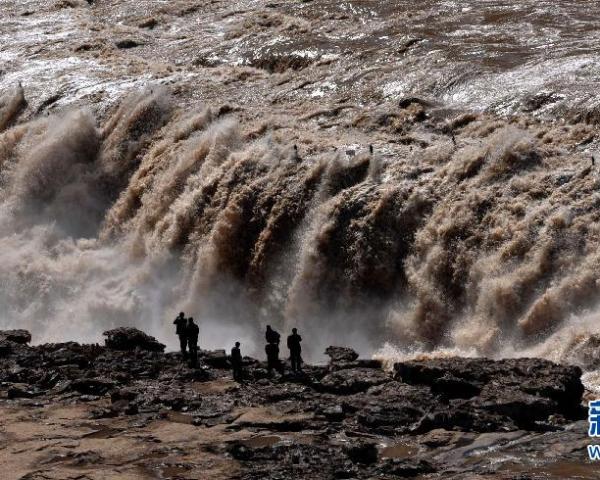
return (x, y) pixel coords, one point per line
(471, 229)
(490, 245)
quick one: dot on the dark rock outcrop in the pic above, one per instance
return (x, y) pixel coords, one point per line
(507, 393)
(346, 358)
(22, 337)
(341, 354)
(126, 338)
(347, 405)
(394, 407)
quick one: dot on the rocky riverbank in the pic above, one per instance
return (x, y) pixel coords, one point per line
(129, 410)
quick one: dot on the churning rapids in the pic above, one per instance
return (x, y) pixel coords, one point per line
(147, 166)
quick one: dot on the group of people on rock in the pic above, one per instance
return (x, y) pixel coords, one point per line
(273, 339)
(188, 332)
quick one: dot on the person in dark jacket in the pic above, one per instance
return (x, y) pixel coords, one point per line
(293, 343)
(192, 336)
(181, 332)
(236, 363)
(273, 362)
(272, 336)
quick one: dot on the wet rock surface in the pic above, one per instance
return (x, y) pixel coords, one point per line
(453, 417)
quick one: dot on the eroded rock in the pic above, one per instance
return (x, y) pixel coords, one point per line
(509, 388)
(127, 338)
(22, 337)
(341, 354)
(327, 421)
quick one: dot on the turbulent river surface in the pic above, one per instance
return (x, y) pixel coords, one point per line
(147, 166)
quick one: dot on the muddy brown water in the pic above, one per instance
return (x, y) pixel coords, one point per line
(399, 450)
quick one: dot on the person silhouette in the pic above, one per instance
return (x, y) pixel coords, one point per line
(273, 362)
(192, 337)
(236, 362)
(272, 336)
(293, 343)
(181, 331)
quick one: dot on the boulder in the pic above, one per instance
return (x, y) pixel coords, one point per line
(341, 354)
(126, 338)
(22, 337)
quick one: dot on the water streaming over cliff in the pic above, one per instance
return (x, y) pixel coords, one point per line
(486, 244)
(123, 201)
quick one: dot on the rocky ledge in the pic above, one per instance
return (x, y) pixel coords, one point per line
(129, 410)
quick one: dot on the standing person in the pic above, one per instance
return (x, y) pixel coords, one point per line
(293, 343)
(192, 335)
(181, 332)
(272, 351)
(272, 336)
(236, 363)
